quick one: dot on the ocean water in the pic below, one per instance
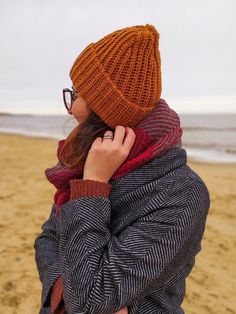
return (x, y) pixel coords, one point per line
(210, 137)
(206, 137)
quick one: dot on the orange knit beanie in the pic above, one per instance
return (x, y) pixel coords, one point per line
(120, 75)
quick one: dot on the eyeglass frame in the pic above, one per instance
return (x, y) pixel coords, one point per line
(73, 97)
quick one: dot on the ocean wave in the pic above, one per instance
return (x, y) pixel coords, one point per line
(210, 147)
(199, 128)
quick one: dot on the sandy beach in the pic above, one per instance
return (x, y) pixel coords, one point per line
(26, 197)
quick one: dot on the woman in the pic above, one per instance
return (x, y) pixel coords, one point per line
(129, 214)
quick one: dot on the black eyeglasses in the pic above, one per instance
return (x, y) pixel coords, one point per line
(69, 96)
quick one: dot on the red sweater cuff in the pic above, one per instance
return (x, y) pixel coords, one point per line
(87, 187)
(57, 295)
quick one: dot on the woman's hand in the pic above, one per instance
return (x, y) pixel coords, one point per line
(107, 155)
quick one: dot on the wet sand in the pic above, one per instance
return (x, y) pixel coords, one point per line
(26, 198)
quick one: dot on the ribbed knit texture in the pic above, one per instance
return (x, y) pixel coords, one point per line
(78, 188)
(134, 248)
(120, 75)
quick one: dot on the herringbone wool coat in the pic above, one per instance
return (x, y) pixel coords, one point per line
(133, 247)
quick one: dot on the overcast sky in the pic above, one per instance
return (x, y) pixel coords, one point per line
(41, 39)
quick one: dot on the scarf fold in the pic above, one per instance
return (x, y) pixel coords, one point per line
(155, 135)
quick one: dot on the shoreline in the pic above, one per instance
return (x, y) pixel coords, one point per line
(193, 160)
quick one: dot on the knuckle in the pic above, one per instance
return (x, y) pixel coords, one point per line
(94, 148)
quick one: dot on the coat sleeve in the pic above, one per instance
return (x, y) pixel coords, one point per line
(103, 273)
(46, 247)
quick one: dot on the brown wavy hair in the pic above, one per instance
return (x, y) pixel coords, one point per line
(79, 141)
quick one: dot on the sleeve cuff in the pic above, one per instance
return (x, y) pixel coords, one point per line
(87, 187)
(56, 294)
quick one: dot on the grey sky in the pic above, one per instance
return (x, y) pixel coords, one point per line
(41, 39)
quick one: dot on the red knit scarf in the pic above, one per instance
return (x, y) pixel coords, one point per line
(157, 133)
